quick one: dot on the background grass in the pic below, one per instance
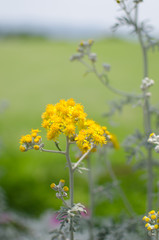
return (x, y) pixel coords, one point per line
(35, 72)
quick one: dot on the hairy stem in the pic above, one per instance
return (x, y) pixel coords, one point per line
(90, 182)
(104, 80)
(83, 157)
(71, 185)
(65, 204)
(146, 116)
(53, 151)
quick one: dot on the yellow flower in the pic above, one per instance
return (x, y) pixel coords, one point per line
(153, 217)
(144, 218)
(28, 141)
(147, 224)
(152, 212)
(62, 180)
(52, 185)
(34, 134)
(22, 140)
(45, 123)
(69, 118)
(71, 102)
(35, 130)
(28, 138)
(36, 140)
(156, 226)
(81, 43)
(36, 147)
(86, 146)
(69, 130)
(151, 134)
(22, 148)
(149, 228)
(65, 188)
(147, 219)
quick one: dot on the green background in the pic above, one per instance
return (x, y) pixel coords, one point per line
(36, 72)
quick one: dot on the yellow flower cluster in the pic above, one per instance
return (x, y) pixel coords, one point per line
(30, 141)
(152, 220)
(60, 188)
(90, 133)
(63, 117)
(69, 118)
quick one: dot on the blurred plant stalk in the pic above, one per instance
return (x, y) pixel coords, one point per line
(89, 59)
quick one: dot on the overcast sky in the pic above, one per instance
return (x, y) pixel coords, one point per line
(101, 13)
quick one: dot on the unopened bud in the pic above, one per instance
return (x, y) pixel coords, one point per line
(93, 57)
(106, 67)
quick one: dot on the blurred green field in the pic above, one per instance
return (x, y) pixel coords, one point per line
(36, 72)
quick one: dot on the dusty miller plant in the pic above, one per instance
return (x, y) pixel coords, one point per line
(135, 143)
(67, 118)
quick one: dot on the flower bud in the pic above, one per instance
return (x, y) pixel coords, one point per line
(106, 67)
(61, 183)
(76, 56)
(93, 57)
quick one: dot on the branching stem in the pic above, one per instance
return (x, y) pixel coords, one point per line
(71, 184)
(146, 116)
(53, 151)
(90, 182)
(83, 157)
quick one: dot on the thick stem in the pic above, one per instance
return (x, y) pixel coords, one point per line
(71, 185)
(147, 123)
(147, 118)
(91, 199)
